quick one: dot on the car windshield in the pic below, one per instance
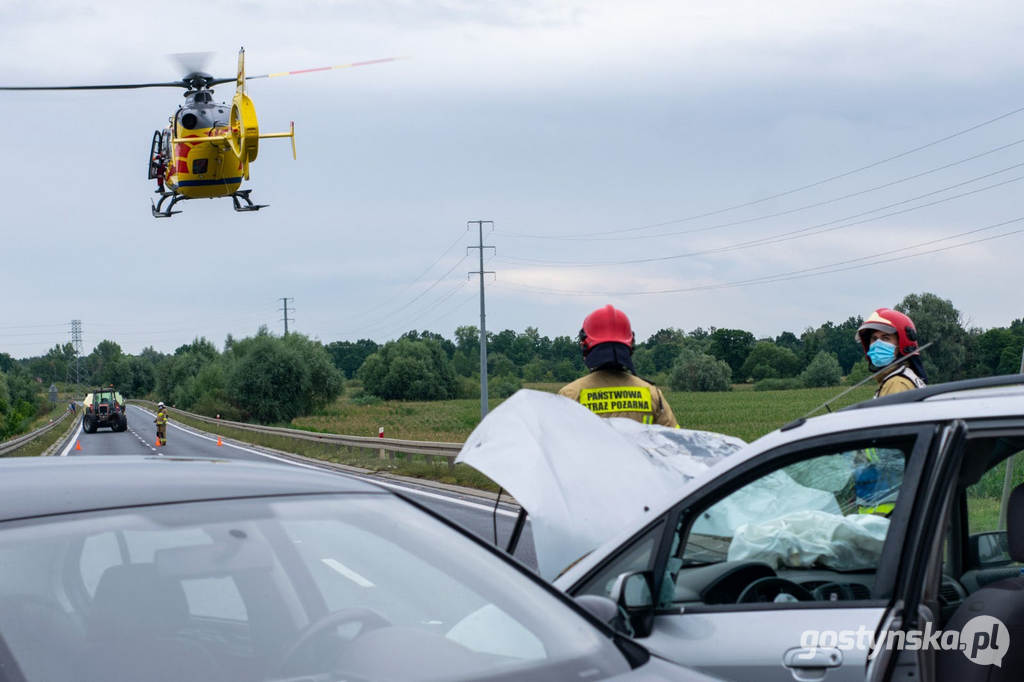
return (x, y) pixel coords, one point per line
(331, 587)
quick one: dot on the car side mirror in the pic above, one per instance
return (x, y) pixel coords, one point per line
(633, 594)
(989, 549)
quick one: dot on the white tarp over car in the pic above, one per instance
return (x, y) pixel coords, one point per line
(583, 478)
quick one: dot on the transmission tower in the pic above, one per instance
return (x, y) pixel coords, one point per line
(483, 323)
(76, 343)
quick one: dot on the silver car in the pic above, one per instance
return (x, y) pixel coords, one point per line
(164, 569)
(831, 549)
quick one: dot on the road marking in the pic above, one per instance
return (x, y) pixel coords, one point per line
(404, 488)
(74, 439)
(348, 572)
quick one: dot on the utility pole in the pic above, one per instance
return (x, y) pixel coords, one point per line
(76, 342)
(285, 310)
(483, 317)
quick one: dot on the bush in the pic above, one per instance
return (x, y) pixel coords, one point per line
(858, 372)
(276, 380)
(767, 360)
(824, 370)
(410, 370)
(503, 386)
(695, 371)
(772, 384)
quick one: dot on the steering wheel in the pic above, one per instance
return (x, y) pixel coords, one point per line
(370, 619)
(767, 589)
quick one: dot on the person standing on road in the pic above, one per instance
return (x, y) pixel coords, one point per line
(161, 424)
(612, 388)
(889, 338)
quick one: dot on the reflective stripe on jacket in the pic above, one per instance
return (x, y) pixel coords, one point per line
(610, 393)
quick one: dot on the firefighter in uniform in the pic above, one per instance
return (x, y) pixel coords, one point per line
(889, 337)
(161, 424)
(612, 388)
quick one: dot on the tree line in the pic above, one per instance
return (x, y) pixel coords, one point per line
(273, 379)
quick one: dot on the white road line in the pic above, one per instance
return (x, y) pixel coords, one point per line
(347, 572)
(405, 489)
(74, 439)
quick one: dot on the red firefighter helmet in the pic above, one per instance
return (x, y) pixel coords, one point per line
(890, 322)
(606, 325)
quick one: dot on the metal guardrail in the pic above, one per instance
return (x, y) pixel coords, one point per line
(9, 446)
(420, 447)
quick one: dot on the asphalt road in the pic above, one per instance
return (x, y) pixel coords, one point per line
(182, 441)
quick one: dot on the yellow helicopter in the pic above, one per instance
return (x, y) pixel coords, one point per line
(206, 150)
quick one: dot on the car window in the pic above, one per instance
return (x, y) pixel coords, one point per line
(317, 587)
(820, 522)
(215, 598)
(99, 552)
(986, 501)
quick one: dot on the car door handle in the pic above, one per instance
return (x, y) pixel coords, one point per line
(811, 663)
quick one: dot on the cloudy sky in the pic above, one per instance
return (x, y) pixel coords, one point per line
(767, 166)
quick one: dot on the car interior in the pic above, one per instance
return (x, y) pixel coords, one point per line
(813, 530)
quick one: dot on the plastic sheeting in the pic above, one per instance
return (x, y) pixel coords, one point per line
(582, 478)
(808, 538)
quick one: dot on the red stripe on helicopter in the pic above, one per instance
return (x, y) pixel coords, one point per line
(322, 68)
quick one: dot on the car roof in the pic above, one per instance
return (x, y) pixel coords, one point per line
(41, 486)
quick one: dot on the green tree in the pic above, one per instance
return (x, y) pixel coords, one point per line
(731, 346)
(838, 339)
(667, 335)
(824, 370)
(939, 322)
(767, 360)
(348, 356)
(409, 370)
(699, 372)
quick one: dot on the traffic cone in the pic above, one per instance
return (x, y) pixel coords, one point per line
(218, 441)
(78, 445)
(158, 443)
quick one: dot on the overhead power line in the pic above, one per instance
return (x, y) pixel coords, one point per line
(803, 232)
(413, 282)
(380, 322)
(798, 209)
(779, 195)
(799, 274)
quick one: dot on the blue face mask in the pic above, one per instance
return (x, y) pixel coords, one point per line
(881, 353)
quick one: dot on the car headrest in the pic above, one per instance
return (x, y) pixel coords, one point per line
(1015, 523)
(134, 599)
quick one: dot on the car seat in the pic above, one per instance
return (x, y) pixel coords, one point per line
(135, 630)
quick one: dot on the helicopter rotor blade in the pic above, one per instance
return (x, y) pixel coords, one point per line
(117, 86)
(325, 68)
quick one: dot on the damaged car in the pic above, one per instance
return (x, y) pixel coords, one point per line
(743, 560)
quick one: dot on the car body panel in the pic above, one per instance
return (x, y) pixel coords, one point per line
(41, 486)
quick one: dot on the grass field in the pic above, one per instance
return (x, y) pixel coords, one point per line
(744, 413)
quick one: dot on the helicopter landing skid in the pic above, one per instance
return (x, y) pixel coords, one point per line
(159, 211)
(243, 194)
